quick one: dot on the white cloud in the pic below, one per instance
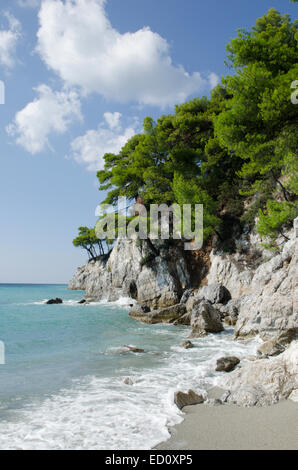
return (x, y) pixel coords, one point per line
(8, 41)
(214, 79)
(113, 119)
(51, 112)
(90, 148)
(78, 42)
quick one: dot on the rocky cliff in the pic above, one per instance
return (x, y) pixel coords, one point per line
(260, 294)
(253, 289)
(153, 274)
(266, 289)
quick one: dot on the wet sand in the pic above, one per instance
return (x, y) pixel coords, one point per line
(229, 427)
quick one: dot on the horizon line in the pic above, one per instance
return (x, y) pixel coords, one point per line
(33, 283)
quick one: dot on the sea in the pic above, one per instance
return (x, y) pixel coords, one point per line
(70, 382)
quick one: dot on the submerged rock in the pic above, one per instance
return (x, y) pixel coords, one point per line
(182, 399)
(205, 319)
(227, 364)
(128, 381)
(54, 301)
(187, 345)
(134, 349)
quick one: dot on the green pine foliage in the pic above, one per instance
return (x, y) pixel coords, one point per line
(276, 217)
(236, 152)
(260, 122)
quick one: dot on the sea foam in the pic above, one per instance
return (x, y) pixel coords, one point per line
(106, 413)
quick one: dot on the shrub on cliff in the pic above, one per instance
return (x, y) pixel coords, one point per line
(88, 241)
(275, 218)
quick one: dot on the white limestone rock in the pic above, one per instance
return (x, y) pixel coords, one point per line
(157, 284)
(265, 381)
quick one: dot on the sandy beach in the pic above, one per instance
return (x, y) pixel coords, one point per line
(229, 427)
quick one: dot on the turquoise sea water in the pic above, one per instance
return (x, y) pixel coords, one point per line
(62, 386)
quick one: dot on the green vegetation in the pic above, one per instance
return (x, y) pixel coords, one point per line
(88, 241)
(276, 216)
(260, 122)
(236, 152)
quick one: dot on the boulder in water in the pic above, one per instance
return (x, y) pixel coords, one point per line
(128, 381)
(134, 349)
(186, 344)
(205, 319)
(54, 301)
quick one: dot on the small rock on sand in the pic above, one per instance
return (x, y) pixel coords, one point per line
(182, 399)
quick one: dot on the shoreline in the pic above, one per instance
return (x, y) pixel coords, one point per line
(230, 427)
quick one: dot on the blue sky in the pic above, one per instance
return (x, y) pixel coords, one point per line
(80, 77)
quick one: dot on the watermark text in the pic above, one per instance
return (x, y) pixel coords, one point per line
(154, 222)
(294, 95)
